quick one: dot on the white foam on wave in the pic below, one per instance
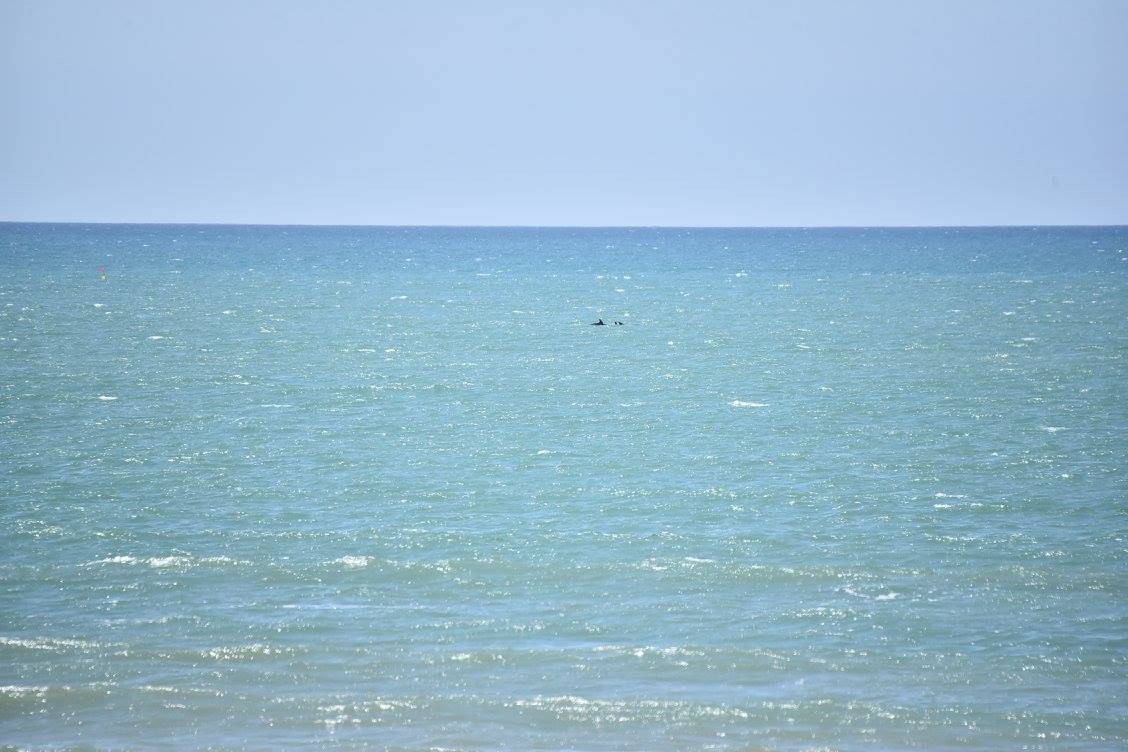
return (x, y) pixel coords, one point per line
(543, 451)
(742, 403)
(1053, 429)
(242, 652)
(942, 495)
(106, 398)
(354, 562)
(891, 595)
(642, 651)
(573, 708)
(45, 643)
(156, 336)
(222, 560)
(15, 690)
(159, 562)
(116, 560)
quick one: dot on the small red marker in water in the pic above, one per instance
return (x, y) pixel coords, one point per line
(102, 271)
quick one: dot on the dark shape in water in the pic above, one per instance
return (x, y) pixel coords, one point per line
(599, 323)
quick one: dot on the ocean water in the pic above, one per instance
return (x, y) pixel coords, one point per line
(386, 488)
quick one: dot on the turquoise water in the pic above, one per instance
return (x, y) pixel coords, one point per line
(386, 488)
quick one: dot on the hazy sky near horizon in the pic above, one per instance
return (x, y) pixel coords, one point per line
(578, 113)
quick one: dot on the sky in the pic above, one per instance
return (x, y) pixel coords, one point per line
(565, 113)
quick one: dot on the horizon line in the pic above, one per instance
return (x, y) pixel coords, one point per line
(555, 227)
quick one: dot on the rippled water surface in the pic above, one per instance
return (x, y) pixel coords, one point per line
(387, 488)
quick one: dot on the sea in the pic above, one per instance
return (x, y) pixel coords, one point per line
(388, 488)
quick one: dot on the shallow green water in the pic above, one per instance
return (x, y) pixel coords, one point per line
(387, 488)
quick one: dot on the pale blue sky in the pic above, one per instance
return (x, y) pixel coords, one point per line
(568, 113)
